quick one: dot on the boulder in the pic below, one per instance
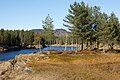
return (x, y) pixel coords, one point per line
(5, 70)
(28, 70)
(17, 68)
(5, 67)
(54, 52)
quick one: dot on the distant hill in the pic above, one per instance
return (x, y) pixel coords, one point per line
(57, 32)
(36, 30)
(60, 32)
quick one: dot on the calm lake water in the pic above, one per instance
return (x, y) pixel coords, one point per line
(11, 55)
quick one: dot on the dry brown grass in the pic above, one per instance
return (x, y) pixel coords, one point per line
(76, 67)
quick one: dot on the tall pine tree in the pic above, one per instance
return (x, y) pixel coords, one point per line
(79, 21)
(48, 32)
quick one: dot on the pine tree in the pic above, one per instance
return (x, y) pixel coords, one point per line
(93, 32)
(48, 32)
(100, 29)
(79, 21)
(112, 31)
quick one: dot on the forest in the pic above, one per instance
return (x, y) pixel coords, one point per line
(88, 27)
(16, 37)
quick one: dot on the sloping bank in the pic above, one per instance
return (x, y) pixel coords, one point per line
(68, 65)
(17, 68)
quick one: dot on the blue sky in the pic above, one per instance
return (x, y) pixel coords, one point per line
(28, 14)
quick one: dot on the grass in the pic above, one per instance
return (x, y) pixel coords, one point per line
(54, 56)
(78, 67)
(64, 58)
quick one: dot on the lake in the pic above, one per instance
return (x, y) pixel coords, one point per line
(11, 55)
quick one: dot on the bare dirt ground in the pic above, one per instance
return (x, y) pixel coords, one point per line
(75, 67)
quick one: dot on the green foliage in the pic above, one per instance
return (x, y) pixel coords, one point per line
(112, 30)
(48, 32)
(15, 37)
(80, 21)
(90, 25)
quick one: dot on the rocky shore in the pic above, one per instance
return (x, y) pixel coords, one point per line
(12, 48)
(26, 65)
(18, 69)
(16, 48)
(62, 65)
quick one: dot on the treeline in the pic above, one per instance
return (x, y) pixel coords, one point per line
(91, 27)
(16, 37)
(49, 35)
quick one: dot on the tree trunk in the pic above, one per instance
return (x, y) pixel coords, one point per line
(91, 45)
(82, 45)
(87, 45)
(111, 46)
(76, 46)
(97, 44)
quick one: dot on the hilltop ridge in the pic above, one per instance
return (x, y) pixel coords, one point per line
(57, 32)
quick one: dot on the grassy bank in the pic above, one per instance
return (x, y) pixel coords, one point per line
(77, 67)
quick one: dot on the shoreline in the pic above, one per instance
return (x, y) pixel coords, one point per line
(38, 66)
(14, 48)
(17, 48)
(64, 45)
